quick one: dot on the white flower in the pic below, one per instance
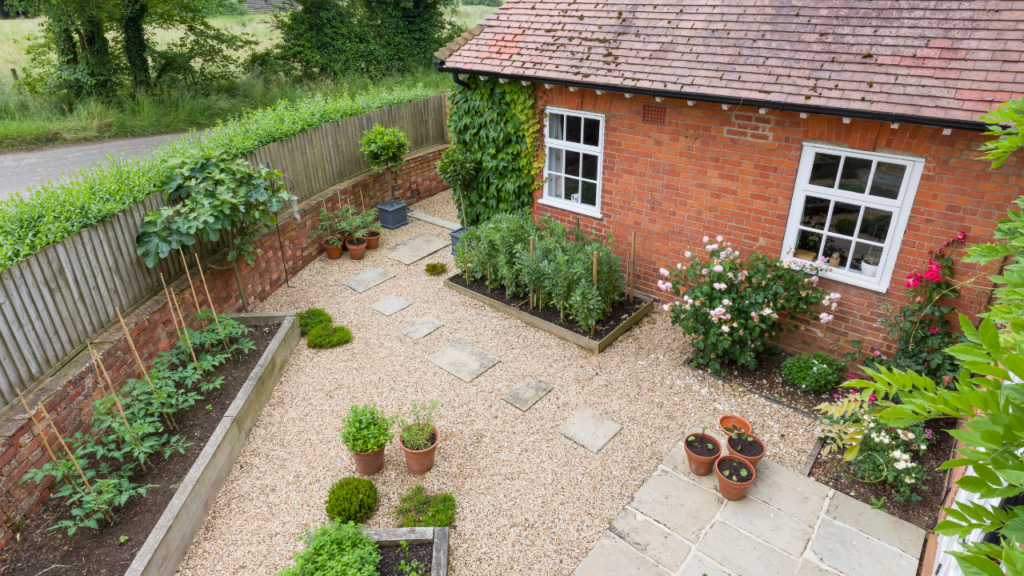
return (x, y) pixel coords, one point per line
(687, 254)
(835, 296)
(900, 465)
(718, 268)
(726, 302)
(679, 266)
(718, 238)
(911, 436)
(825, 317)
(908, 480)
(766, 312)
(665, 307)
(725, 328)
(663, 272)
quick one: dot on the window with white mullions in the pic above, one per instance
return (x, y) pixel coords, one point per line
(573, 169)
(850, 210)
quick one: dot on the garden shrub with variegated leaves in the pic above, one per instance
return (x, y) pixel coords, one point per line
(732, 305)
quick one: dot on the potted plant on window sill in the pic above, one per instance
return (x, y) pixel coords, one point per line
(366, 431)
(419, 437)
(385, 150)
(458, 169)
(869, 266)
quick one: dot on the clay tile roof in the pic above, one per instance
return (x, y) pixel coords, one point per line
(932, 58)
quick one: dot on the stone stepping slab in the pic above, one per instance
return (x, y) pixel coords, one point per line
(368, 279)
(390, 304)
(463, 361)
(589, 429)
(433, 220)
(422, 327)
(527, 393)
(416, 248)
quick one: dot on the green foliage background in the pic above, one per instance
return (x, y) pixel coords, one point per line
(498, 127)
(58, 209)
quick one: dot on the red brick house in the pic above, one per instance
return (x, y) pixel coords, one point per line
(802, 129)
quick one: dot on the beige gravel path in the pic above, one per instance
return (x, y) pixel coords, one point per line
(530, 501)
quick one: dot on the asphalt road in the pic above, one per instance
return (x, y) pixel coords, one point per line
(19, 170)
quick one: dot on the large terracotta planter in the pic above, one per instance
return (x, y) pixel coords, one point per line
(733, 490)
(701, 465)
(333, 251)
(369, 463)
(420, 461)
(356, 248)
(730, 420)
(752, 460)
(372, 239)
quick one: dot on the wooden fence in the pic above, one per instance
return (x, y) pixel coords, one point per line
(55, 300)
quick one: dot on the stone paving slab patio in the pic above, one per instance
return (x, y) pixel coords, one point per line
(416, 248)
(787, 525)
(390, 305)
(422, 327)
(527, 393)
(368, 279)
(463, 361)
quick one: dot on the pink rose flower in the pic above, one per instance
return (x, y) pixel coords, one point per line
(933, 330)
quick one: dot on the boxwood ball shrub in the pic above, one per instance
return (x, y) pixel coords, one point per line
(351, 500)
(732, 305)
(366, 429)
(338, 548)
(311, 318)
(436, 268)
(815, 373)
(328, 336)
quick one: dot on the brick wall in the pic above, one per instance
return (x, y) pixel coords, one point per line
(68, 395)
(711, 171)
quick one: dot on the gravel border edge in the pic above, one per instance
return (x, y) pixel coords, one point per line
(171, 538)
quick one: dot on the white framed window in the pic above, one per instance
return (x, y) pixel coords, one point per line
(851, 208)
(572, 173)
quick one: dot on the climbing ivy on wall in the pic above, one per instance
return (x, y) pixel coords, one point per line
(499, 127)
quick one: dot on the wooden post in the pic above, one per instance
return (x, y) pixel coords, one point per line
(72, 456)
(595, 268)
(632, 264)
(14, 72)
(138, 361)
(117, 401)
(38, 429)
(212, 308)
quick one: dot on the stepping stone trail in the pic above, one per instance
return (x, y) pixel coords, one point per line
(463, 361)
(422, 327)
(589, 429)
(390, 304)
(416, 248)
(527, 393)
(368, 279)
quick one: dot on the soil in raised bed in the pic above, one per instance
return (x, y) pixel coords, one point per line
(619, 314)
(925, 512)
(391, 558)
(98, 552)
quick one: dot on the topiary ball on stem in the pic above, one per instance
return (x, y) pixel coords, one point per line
(327, 336)
(311, 318)
(351, 500)
(436, 268)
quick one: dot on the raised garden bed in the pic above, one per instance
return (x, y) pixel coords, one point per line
(615, 324)
(427, 545)
(160, 527)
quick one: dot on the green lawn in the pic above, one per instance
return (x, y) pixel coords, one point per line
(30, 121)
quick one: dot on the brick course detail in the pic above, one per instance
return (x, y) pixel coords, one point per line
(710, 171)
(69, 394)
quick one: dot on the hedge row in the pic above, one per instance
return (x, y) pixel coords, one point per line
(58, 209)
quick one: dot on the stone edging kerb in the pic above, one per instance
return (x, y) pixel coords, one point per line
(173, 534)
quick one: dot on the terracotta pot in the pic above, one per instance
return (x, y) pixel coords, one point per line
(333, 252)
(369, 463)
(701, 465)
(356, 248)
(730, 420)
(420, 461)
(752, 460)
(733, 490)
(344, 237)
(372, 239)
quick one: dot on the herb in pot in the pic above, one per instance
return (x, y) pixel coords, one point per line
(366, 429)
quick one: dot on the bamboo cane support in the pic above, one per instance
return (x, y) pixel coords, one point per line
(72, 456)
(39, 430)
(117, 401)
(138, 361)
(337, 191)
(206, 289)
(99, 380)
(184, 328)
(192, 287)
(174, 318)
(362, 200)
(632, 264)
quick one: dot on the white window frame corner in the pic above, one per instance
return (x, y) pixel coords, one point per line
(902, 206)
(569, 205)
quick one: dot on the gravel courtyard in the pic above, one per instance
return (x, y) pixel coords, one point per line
(530, 501)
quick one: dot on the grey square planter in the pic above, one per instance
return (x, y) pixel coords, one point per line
(393, 214)
(456, 237)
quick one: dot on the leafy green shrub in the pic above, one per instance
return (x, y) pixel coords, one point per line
(311, 318)
(418, 425)
(385, 150)
(436, 268)
(57, 209)
(732, 305)
(366, 429)
(417, 508)
(490, 116)
(459, 168)
(328, 336)
(337, 549)
(814, 373)
(351, 500)
(558, 273)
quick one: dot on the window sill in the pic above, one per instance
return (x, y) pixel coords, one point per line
(854, 279)
(581, 209)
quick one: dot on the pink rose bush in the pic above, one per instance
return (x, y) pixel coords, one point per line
(732, 305)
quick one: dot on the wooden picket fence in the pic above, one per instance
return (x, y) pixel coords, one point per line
(54, 301)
